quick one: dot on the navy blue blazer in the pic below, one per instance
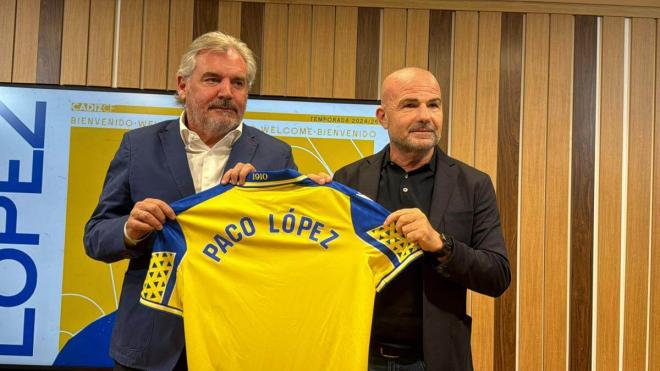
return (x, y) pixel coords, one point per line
(151, 163)
(463, 206)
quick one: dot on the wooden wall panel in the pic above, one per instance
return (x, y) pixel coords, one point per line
(7, 23)
(368, 51)
(508, 140)
(50, 41)
(582, 191)
(205, 17)
(609, 197)
(440, 53)
(485, 159)
(26, 41)
(654, 325)
(298, 57)
(345, 52)
(488, 85)
(179, 36)
(393, 55)
(129, 58)
(323, 51)
(640, 156)
(532, 192)
(154, 52)
(557, 203)
(75, 31)
(229, 18)
(417, 40)
(464, 86)
(275, 36)
(101, 42)
(252, 26)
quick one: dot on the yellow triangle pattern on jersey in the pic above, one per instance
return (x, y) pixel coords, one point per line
(159, 272)
(388, 236)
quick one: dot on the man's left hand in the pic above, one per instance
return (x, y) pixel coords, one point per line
(237, 174)
(415, 226)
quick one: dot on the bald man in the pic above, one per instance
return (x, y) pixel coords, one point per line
(449, 209)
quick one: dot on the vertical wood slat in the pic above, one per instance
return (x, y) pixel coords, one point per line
(654, 326)
(298, 50)
(180, 36)
(582, 191)
(440, 37)
(417, 38)
(50, 41)
(26, 41)
(75, 31)
(464, 86)
(555, 290)
(394, 41)
(229, 18)
(507, 181)
(275, 43)
(368, 36)
(345, 52)
(154, 52)
(532, 192)
(205, 17)
(485, 159)
(609, 197)
(640, 156)
(101, 42)
(129, 59)
(323, 52)
(252, 26)
(8, 8)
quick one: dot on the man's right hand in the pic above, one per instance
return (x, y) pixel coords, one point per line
(147, 216)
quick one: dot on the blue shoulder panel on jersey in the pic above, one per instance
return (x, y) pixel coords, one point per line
(367, 214)
(170, 239)
(186, 203)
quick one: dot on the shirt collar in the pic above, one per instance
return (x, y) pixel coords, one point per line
(431, 165)
(193, 143)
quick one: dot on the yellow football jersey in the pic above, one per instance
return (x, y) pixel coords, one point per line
(278, 274)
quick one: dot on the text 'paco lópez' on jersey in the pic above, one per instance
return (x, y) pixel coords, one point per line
(277, 274)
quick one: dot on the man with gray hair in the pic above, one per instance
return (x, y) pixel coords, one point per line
(159, 164)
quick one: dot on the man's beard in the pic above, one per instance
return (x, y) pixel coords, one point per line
(410, 145)
(217, 126)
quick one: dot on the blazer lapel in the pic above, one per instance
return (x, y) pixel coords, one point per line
(445, 180)
(243, 150)
(175, 158)
(369, 179)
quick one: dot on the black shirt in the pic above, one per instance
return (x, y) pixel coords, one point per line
(398, 307)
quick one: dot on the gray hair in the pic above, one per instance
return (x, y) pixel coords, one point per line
(219, 42)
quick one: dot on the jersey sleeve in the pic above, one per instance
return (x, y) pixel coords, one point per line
(389, 252)
(161, 289)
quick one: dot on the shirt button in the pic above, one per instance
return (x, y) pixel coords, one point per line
(405, 176)
(405, 189)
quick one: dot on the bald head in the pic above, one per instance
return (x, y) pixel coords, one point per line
(407, 79)
(411, 112)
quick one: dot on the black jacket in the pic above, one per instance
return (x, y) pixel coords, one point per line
(463, 206)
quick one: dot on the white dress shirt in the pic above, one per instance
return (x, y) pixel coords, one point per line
(207, 164)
